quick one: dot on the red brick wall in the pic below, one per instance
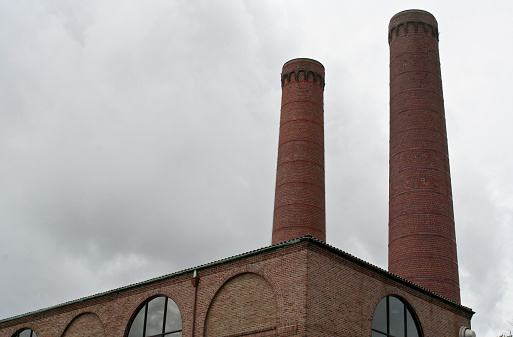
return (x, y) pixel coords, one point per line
(422, 241)
(343, 295)
(284, 270)
(299, 206)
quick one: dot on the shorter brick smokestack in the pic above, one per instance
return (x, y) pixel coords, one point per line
(299, 206)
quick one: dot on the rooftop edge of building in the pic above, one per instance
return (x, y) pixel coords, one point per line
(282, 245)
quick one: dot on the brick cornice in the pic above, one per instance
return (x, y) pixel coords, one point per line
(412, 26)
(315, 76)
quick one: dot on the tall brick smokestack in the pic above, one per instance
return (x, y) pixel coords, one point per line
(299, 206)
(422, 241)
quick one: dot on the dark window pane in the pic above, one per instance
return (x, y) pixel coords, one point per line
(410, 325)
(173, 318)
(155, 317)
(174, 334)
(25, 333)
(136, 330)
(396, 317)
(377, 334)
(379, 322)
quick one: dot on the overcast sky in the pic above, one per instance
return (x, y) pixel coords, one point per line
(139, 138)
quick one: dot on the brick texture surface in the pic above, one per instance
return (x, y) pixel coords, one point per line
(343, 295)
(85, 325)
(422, 241)
(299, 206)
(244, 304)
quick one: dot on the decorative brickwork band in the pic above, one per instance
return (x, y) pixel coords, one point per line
(422, 240)
(306, 74)
(412, 27)
(299, 205)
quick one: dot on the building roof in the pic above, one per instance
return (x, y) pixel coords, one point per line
(304, 239)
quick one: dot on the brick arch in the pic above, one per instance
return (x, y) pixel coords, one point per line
(249, 268)
(209, 292)
(245, 304)
(132, 307)
(85, 325)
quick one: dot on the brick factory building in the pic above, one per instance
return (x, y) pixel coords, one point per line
(301, 286)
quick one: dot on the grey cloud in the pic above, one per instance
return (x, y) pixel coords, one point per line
(140, 138)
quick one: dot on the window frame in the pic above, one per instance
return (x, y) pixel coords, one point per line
(406, 309)
(144, 306)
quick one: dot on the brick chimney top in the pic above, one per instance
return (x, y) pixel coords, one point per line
(412, 20)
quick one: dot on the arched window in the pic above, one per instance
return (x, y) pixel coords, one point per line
(393, 318)
(25, 333)
(158, 317)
